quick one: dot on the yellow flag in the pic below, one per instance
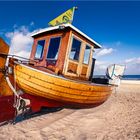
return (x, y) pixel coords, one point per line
(65, 17)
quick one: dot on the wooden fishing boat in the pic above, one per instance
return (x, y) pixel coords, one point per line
(68, 92)
(59, 69)
(58, 73)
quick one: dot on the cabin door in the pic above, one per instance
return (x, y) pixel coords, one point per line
(79, 59)
(86, 61)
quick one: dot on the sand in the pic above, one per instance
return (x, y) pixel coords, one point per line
(117, 119)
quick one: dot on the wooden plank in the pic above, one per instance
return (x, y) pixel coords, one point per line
(35, 90)
(84, 70)
(61, 81)
(72, 68)
(55, 86)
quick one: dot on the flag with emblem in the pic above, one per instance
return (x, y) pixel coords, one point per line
(66, 17)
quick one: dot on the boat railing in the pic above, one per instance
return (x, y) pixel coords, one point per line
(18, 58)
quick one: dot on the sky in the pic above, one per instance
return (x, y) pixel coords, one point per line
(114, 25)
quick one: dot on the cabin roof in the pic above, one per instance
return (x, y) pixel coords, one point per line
(97, 45)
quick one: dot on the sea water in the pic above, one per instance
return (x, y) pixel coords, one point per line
(131, 77)
(125, 77)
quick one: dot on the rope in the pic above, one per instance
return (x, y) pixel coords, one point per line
(21, 105)
(16, 96)
(113, 71)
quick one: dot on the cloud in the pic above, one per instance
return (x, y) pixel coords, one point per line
(23, 53)
(101, 64)
(129, 60)
(108, 48)
(104, 52)
(133, 60)
(20, 41)
(133, 69)
(100, 67)
(132, 65)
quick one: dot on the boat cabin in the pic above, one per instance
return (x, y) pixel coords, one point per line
(65, 50)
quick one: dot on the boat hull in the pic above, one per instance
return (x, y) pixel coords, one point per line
(67, 92)
(7, 111)
(4, 88)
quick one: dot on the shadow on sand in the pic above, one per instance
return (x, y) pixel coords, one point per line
(30, 115)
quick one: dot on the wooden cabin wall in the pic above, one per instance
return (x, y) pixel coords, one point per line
(58, 67)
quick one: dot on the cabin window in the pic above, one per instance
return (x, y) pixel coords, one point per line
(75, 49)
(39, 49)
(53, 48)
(86, 55)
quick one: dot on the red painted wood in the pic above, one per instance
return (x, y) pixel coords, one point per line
(38, 102)
(7, 110)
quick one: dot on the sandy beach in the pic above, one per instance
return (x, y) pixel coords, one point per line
(116, 119)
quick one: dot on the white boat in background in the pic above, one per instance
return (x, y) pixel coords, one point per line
(114, 73)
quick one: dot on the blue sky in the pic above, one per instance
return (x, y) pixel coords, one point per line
(115, 25)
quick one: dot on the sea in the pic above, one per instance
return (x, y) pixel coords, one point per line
(125, 77)
(131, 77)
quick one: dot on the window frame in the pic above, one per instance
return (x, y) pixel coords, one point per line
(42, 52)
(49, 47)
(77, 38)
(89, 54)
